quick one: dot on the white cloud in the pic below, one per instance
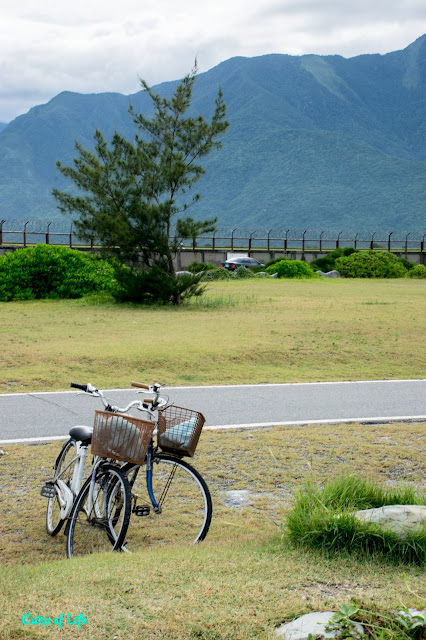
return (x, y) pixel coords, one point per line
(101, 46)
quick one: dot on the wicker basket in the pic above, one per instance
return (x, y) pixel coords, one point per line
(179, 430)
(121, 437)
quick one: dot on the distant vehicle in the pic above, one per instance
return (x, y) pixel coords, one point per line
(236, 262)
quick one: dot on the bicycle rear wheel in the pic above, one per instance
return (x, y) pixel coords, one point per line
(64, 469)
(99, 522)
(184, 504)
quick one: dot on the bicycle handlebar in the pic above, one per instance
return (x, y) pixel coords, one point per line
(140, 385)
(76, 385)
(156, 402)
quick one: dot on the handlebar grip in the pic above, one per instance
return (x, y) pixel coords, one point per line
(140, 385)
(148, 400)
(76, 385)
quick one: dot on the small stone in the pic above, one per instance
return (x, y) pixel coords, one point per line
(237, 498)
(311, 624)
(3, 453)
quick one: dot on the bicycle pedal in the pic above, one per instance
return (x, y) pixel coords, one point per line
(141, 511)
(48, 490)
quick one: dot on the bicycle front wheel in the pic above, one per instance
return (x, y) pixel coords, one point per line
(184, 510)
(101, 513)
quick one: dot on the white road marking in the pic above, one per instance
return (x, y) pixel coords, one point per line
(225, 386)
(255, 425)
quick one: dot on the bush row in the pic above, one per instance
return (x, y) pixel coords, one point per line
(44, 271)
(349, 263)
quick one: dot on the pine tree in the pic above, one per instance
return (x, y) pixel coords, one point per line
(131, 193)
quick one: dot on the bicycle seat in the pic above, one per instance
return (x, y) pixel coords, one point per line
(82, 433)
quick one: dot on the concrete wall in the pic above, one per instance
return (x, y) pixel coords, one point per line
(186, 256)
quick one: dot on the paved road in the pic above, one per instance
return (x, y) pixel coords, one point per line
(51, 415)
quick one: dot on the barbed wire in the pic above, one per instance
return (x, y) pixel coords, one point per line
(42, 227)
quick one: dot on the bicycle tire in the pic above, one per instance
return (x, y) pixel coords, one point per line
(103, 526)
(184, 499)
(54, 520)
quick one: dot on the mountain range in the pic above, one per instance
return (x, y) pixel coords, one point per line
(314, 141)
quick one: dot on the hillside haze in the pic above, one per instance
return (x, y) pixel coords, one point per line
(315, 141)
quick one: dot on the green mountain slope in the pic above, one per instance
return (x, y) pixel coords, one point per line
(314, 141)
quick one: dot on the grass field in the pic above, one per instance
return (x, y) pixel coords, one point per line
(244, 580)
(240, 332)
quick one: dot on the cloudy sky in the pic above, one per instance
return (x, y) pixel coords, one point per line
(98, 45)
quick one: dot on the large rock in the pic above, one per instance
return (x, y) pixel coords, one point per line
(402, 519)
(329, 274)
(311, 624)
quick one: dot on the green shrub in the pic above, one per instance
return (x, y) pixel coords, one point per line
(418, 271)
(378, 624)
(218, 273)
(241, 273)
(327, 263)
(154, 285)
(370, 264)
(407, 264)
(291, 269)
(44, 271)
(323, 518)
(196, 267)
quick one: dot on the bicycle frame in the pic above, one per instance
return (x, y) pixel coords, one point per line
(154, 502)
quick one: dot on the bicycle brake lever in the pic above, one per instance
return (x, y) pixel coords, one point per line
(91, 389)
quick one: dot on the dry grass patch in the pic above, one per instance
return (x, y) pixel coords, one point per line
(241, 332)
(271, 464)
(243, 580)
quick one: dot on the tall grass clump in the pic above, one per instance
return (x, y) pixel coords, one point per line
(323, 518)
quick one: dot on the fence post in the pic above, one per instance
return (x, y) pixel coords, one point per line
(232, 239)
(406, 243)
(422, 244)
(250, 242)
(338, 239)
(1, 231)
(371, 241)
(320, 239)
(389, 241)
(214, 241)
(303, 244)
(285, 240)
(356, 236)
(71, 236)
(48, 233)
(25, 234)
(269, 233)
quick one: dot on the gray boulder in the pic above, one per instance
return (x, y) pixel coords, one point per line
(398, 518)
(329, 274)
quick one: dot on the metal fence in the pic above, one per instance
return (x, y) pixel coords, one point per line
(18, 233)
